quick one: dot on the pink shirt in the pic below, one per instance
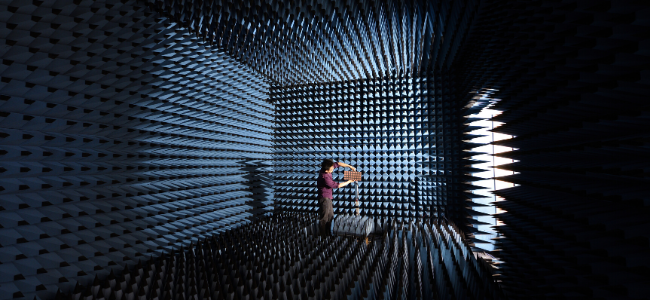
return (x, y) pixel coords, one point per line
(326, 184)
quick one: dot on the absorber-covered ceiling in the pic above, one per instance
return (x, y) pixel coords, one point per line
(328, 41)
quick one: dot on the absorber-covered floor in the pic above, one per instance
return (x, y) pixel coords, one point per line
(282, 257)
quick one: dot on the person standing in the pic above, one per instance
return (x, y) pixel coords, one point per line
(326, 185)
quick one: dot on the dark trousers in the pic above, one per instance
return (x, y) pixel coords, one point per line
(325, 214)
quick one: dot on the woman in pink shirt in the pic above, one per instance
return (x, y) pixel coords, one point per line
(325, 185)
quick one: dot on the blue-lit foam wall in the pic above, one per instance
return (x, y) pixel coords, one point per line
(121, 136)
(402, 133)
(319, 45)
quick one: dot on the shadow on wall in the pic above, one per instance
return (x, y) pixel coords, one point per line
(259, 181)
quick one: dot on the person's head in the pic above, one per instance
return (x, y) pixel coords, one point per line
(327, 166)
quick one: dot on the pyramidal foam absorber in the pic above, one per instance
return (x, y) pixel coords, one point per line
(123, 136)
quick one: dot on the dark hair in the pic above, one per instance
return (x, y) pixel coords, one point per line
(326, 164)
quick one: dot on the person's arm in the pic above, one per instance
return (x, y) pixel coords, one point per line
(329, 182)
(333, 184)
(346, 166)
(345, 183)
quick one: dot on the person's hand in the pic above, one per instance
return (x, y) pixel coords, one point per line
(353, 168)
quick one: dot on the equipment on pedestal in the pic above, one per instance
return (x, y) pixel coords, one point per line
(355, 225)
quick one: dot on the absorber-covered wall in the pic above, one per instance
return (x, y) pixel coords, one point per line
(573, 81)
(122, 136)
(311, 51)
(402, 133)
